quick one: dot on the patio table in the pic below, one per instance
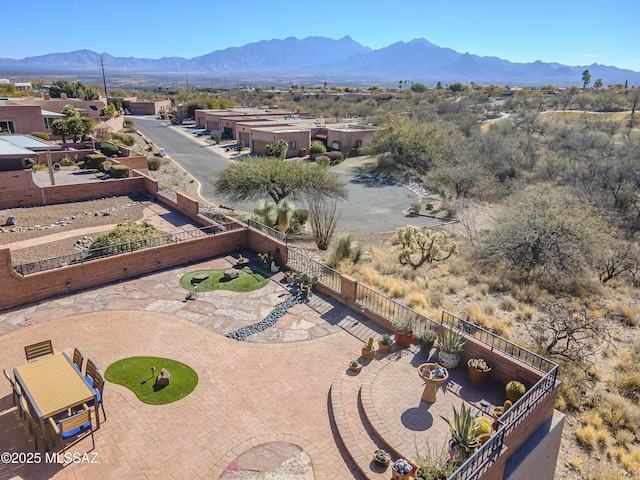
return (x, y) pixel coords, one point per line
(52, 386)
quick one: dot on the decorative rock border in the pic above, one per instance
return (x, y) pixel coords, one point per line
(276, 314)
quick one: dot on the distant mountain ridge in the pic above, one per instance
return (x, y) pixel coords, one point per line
(322, 58)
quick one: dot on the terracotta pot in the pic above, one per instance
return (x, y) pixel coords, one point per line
(403, 340)
(368, 354)
(448, 360)
(382, 348)
(477, 377)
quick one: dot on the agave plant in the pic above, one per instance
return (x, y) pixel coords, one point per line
(464, 429)
(450, 341)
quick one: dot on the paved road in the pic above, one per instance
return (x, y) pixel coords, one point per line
(374, 205)
(201, 162)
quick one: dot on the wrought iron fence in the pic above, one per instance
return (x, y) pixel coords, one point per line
(89, 255)
(392, 310)
(496, 342)
(475, 465)
(268, 231)
(305, 264)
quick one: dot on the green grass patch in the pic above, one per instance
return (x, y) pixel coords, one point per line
(135, 374)
(247, 281)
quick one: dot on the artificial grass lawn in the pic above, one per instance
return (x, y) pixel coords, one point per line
(246, 282)
(135, 374)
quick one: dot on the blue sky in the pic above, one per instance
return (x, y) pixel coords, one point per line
(565, 31)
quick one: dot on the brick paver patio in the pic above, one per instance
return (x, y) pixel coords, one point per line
(277, 387)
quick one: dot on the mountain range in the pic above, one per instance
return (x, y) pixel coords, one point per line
(320, 58)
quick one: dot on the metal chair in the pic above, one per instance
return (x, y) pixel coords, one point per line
(90, 372)
(78, 360)
(37, 350)
(73, 427)
(33, 423)
(17, 393)
(98, 388)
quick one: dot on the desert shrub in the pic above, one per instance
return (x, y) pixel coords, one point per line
(508, 303)
(67, 161)
(154, 163)
(586, 436)
(629, 386)
(94, 160)
(394, 287)
(417, 299)
(317, 147)
(528, 294)
(348, 248)
(323, 160)
(128, 122)
(593, 418)
(42, 135)
(120, 171)
(415, 208)
(39, 166)
(123, 138)
(335, 157)
(300, 216)
(109, 149)
(118, 240)
(624, 437)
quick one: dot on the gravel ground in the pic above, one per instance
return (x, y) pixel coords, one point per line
(40, 221)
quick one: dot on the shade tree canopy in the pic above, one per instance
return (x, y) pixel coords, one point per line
(256, 178)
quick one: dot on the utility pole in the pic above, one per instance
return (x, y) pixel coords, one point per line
(104, 80)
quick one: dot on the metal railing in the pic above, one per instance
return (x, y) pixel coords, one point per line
(474, 466)
(497, 342)
(392, 310)
(302, 263)
(268, 231)
(89, 255)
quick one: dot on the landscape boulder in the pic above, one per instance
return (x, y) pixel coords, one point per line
(164, 378)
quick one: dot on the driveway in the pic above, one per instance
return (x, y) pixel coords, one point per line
(374, 204)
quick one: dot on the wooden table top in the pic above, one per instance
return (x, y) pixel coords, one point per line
(53, 385)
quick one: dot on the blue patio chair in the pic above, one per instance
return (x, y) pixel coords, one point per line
(78, 360)
(74, 427)
(98, 388)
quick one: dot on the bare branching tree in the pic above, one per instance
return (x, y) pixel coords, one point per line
(574, 334)
(324, 217)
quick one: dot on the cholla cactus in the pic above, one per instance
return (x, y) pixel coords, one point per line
(479, 364)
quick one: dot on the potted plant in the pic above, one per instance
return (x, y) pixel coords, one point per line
(478, 371)
(242, 262)
(381, 457)
(355, 366)
(484, 430)
(368, 351)
(385, 343)
(464, 434)
(515, 390)
(267, 259)
(403, 335)
(427, 339)
(304, 282)
(450, 344)
(499, 411)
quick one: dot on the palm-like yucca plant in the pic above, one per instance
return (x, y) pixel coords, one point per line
(464, 429)
(450, 341)
(284, 213)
